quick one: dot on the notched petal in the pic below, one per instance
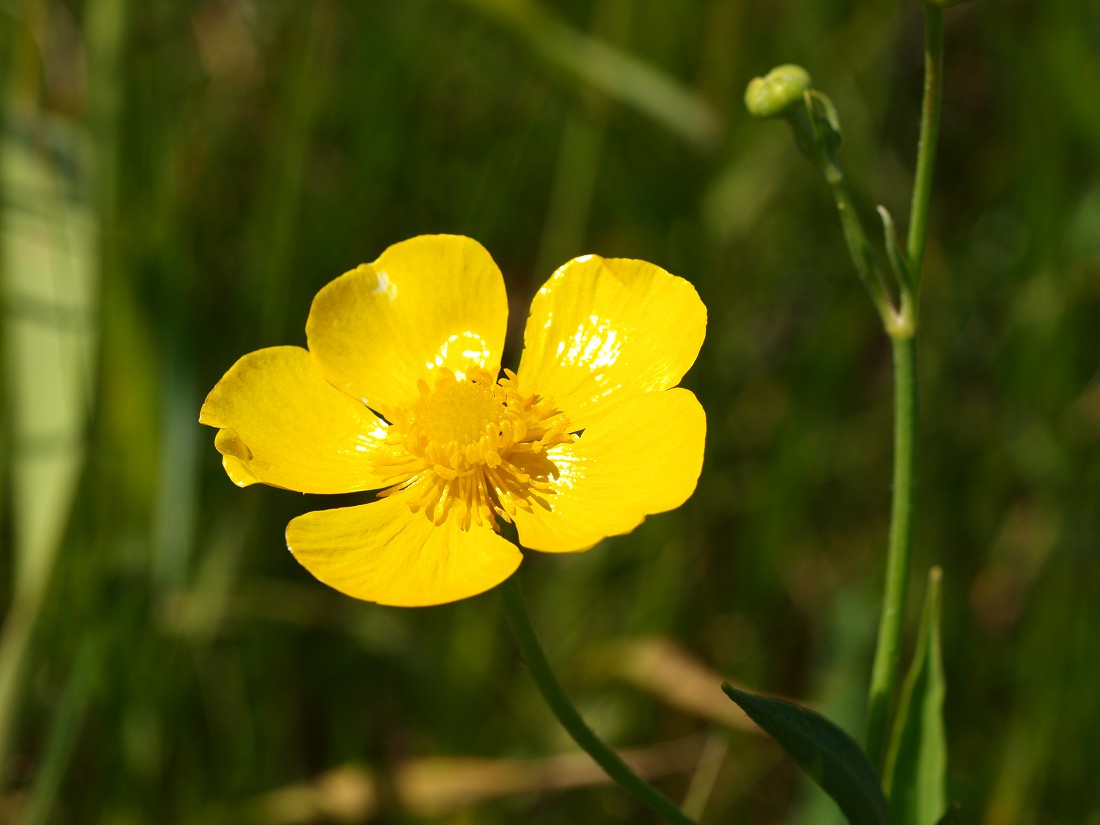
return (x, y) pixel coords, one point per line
(279, 422)
(229, 443)
(236, 458)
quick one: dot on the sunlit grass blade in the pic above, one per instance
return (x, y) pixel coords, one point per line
(825, 752)
(48, 248)
(48, 260)
(916, 763)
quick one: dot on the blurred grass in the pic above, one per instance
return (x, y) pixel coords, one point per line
(240, 155)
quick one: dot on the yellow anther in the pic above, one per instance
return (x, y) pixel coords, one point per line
(459, 442)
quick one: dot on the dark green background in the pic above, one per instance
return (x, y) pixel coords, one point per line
(235, 156)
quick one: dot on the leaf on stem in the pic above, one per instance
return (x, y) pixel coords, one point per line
(916, 762)
(894, 254)
(825, 752)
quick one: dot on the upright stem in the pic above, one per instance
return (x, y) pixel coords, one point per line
(884, 671)
(567, 715)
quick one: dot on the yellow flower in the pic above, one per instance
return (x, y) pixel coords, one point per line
(399, 392)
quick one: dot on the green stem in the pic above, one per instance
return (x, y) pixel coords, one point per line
(884, 671)
(567, 715)
(929, 135)
(885, 668)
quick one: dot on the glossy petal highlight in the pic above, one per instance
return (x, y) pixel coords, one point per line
(282, 424)
(638, 459)
(383, 552)
(602, 331)
(428, 302)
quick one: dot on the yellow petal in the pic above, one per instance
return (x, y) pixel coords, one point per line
(282, 424)
(428, 302)
(383, 552)
(609, 326)
(638, 459)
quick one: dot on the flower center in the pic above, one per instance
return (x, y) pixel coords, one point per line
(473, 449)
(457, 412)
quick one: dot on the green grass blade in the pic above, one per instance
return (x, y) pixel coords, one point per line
(49, 265)
(48, 259)
(825, 752)
(64, 731)
(916, 763)
(616, 73)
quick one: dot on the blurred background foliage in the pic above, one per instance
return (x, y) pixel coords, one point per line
(179, 178)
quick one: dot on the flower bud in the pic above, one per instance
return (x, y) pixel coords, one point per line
(778, 92)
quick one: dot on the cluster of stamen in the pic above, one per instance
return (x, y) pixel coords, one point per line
(473, 449)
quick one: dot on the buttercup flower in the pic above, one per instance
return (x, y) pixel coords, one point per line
(399, 391)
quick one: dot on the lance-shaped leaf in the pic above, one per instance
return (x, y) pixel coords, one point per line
(916, 762)
(826, 753)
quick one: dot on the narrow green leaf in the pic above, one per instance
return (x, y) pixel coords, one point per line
(916, 762)
(893, 252)
(825, 752)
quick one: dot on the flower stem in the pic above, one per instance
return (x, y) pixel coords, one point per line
(567, 715)
(884, 671)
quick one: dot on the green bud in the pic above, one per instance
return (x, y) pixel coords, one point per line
(778, 92)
